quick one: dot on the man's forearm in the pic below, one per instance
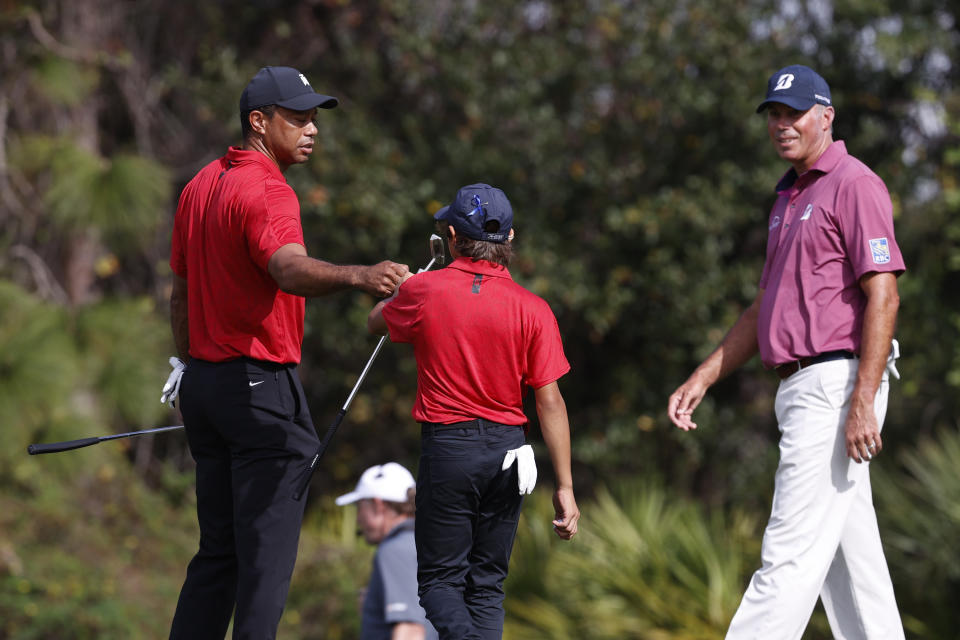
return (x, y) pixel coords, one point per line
(309, 277)
(298, 274)
(737, 347)
(879, 322)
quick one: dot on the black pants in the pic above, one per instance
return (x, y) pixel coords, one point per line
(467, 515)
(251, 435)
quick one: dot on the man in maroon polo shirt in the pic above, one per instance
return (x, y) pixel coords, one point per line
(823, 319)
(241, 272)
(480, 340)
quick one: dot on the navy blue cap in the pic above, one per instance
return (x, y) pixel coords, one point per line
(475, 206)
(798, 87)
(285, 87)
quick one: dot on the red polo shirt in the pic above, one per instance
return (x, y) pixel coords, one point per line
(234, 214)
(828, 227)
(480, 340)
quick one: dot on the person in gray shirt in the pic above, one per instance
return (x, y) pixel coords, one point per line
(385, 510)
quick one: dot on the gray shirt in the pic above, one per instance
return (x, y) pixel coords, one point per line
(392, 593)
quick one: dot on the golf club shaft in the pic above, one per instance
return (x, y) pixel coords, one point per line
(67, 445)
(308, 473)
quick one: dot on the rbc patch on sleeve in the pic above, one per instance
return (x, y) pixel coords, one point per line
(880, 249)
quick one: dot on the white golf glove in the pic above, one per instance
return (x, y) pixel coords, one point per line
(172, 387)
(526, 467)
(892, 359)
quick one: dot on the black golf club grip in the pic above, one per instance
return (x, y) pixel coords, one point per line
(54, 447)
(305, 480)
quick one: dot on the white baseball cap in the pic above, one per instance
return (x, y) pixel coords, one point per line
(388, 481)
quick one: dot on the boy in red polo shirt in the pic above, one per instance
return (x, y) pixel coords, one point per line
(479, 340)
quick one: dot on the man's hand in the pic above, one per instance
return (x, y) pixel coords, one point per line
(566, 513)
(382, 279)
(862, 431)
(684, 400)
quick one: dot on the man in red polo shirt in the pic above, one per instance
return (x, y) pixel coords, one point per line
(480, 340)
(240, 276)
(823, 320)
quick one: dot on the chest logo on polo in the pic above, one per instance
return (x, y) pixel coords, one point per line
(774, 223)
(807, 212)
(880, 249)
(477, 279)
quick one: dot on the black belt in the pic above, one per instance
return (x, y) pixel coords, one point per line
(476, 423)
(787, 369)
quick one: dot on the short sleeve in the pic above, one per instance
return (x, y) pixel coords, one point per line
(402, 313)
(273, 222)
(546, 361)
(865, 215)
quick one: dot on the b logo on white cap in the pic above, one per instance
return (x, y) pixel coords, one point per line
(785, 82)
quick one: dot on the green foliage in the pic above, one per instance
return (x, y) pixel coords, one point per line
(96, 556)
(122, 346)
(646, 564)
(623, 134)
(64, 81)
(123, 196)
(919, 511)
(39, 377)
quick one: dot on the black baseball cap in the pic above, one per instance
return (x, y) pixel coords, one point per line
(474, 206)
(798, 87)
(285, 87)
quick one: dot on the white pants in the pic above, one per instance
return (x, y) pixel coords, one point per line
(822, 537)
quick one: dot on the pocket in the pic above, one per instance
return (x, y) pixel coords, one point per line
(835, 381)
(454, 443)
(506, 438)
(256, 389)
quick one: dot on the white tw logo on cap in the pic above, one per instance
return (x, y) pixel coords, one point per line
(785, 82)
(304, 78)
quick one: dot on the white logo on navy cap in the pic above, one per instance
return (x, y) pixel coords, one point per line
(785, 82)
(304, 78)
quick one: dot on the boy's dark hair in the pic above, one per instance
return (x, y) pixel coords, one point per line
(496, 252)
(245, 128)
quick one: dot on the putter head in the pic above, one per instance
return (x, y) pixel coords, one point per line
(437, 249)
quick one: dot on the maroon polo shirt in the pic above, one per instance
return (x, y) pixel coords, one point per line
(232, 216)
(480, 341)
(828, 227)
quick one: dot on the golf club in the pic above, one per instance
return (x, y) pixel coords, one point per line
(54, 447)
(436, 255)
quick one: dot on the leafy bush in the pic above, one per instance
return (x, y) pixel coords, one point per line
(918, 505)
(645, 564)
